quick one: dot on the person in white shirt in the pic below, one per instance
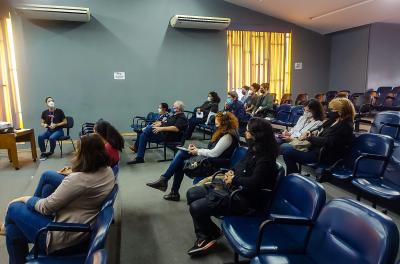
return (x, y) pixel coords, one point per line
(245, 94)
(311, 119)
(222, 145)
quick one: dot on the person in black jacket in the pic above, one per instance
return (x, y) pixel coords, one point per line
(328, 145)
(201, 113)
(256, 171)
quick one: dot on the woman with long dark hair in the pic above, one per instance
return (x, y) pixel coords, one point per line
(76, 200)
(256, 171)
(114, 142)
(222, 145)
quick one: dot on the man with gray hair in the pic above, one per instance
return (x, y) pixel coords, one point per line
(169, 130)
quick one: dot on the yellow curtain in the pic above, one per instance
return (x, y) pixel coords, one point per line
(259, 57)
(10, 105)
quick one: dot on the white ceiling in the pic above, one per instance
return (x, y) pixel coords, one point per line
(329, 15)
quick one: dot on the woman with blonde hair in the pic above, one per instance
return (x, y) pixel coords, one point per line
(334, 138)
(220, 149)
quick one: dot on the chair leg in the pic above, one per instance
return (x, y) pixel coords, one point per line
(73, 145)
(61, 147)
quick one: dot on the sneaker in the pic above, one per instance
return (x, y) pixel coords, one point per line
(201, 245)
(48, 154)
(160, 184)
(135, 161)
(172, 197)
(218, 234)
(43, 157)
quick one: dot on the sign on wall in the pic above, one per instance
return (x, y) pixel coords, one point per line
(119, 75)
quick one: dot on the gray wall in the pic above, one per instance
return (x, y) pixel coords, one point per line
(384, 55)
(349, 60)
(75, 62)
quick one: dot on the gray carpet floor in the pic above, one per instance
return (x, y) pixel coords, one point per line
(148, 229)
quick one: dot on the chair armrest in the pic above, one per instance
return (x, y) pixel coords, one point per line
(54, 226)
(366, 156)
(334, 164)
(281, 220)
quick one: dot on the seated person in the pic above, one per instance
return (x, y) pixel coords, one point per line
(234, 106)
(245, 93)
(256, 171)
(76, 200)
(220, 149)
(170, 130)
(54, 120)
(264, 103)
(252, 99)
(162, 116)
(335, 138)
(113, 143)
(211, 105)
(311, 119)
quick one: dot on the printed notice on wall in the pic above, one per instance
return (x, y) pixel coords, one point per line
(119, 75)
(298, 65)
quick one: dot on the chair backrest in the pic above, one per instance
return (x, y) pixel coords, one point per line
(237, 155)
(391, 117)
(384, 89)
(283, 112)
(98, 257)
(368, 143)
(347, 231)
(396, 90)
(100, 229)
(330, 95)
(70, 124)
(353, 96)
(152, 117)
(397, 100)
(295, 113)
(297, 195)
(111, 197)
(392, 170)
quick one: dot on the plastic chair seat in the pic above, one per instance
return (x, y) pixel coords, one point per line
(241, 233)
(75, 259)
(378, 187)
(64, 138)
(282, 259)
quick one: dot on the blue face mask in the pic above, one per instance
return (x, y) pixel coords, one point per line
(173, 110)
(229, 101)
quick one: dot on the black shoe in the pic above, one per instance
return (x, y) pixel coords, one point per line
(172, 196)
(160, 184)
(48, 154)
(217, 235)
(201, 246)
(43, 157)
(135, 161)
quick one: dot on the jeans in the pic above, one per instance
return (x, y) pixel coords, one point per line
(148, 136)
(201, 209)
(48, 183)
(193, 122)
(52, 136)
(176, 169)
(292, 156)
(22, 224)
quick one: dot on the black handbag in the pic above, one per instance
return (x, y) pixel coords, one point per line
(198, 166)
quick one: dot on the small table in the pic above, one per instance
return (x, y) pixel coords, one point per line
(9, 141)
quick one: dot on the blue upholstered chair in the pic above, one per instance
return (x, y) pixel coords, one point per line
(386, 187)
(295, 197)
(367, 157)
(345, 231)
(98, 238)
(282, 115)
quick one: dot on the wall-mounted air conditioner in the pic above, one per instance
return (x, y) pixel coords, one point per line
(199, 22)
(51, 12)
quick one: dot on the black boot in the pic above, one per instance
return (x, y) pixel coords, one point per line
(172, 196)
(135, 161)
(160, 184)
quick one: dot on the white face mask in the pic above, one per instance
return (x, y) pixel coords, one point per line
(51, 104)
(209, 99)
(307, 114)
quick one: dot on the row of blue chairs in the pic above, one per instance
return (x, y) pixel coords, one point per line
(299, 228)
(287, 115)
